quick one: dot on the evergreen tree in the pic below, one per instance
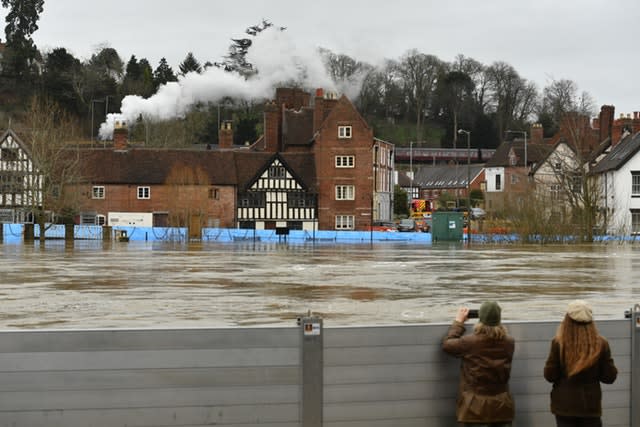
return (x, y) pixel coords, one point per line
(106, 62)
(190, 64)
(138, 79)
(163, 74)
(21, 51)
(61, 79)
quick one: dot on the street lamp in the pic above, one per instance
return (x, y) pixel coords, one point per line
(523, 132)
(411, 168)
(468, 133)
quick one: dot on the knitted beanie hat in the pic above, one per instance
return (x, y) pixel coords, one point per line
(489, 313)
(580, 311)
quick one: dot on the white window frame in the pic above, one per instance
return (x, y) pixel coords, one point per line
(635, 184)
(635, 221)
(144, 193)
(101, 220)
(345, 222)
(345, 161)
(345, 192)
(97, 192)
(345, 132)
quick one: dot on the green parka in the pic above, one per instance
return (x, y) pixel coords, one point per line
(579, 395)
(483, 395)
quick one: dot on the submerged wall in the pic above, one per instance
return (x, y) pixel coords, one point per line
(263, 376)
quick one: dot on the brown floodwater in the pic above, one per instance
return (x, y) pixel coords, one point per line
(138, 284)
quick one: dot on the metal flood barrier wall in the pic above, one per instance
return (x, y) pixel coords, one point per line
(14, 233)
(306, 375)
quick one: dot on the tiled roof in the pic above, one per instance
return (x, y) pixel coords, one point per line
(445, 176)
(153, 166)
(297, 127)
(535, 153)
(619, 154)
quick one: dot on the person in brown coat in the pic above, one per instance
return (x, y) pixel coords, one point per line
(483, 395)
(579, 360)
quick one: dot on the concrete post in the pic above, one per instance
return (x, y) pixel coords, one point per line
(635, 366)
(312, 371)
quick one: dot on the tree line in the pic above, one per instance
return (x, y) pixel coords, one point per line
(416, 97)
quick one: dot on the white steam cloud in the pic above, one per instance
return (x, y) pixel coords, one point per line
(274, 53)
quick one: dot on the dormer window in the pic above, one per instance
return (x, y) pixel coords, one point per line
(344, 132)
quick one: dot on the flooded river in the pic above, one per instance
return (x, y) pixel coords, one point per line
(137, 284)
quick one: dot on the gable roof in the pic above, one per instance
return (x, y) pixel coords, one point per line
(535, 153)
(345, 102)
(446, 176)
(552, 149)
(250, 167)
(620, 154)
(16, 139)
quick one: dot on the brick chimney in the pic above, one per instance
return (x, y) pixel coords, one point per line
(225, 135)
(606, 123)
(120, 135)
(536, 133)
(271, 127)
(318, 109)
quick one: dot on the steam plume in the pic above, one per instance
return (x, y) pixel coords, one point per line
(274, 54)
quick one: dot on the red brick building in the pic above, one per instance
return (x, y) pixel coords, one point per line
(317, 166)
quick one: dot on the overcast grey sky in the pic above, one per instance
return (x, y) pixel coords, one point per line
(592, 42)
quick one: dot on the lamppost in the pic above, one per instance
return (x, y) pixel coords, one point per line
(468, 133)
(411, 170)
(523, 132)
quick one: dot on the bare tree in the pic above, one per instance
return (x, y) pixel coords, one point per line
(559, 98)
(187, 196)
(575, 190)
(419, 74)
(381, 92)
(512, 98)
(50, 195)
(476, 72)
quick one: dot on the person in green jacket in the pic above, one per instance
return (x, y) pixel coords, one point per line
(579, 360)
(484, 398)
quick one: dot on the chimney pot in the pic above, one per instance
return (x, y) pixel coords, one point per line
(120, 135)
(225, 135)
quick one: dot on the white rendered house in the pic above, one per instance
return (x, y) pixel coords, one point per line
(619, 177)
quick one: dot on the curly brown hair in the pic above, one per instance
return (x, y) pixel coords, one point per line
(580, 345)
